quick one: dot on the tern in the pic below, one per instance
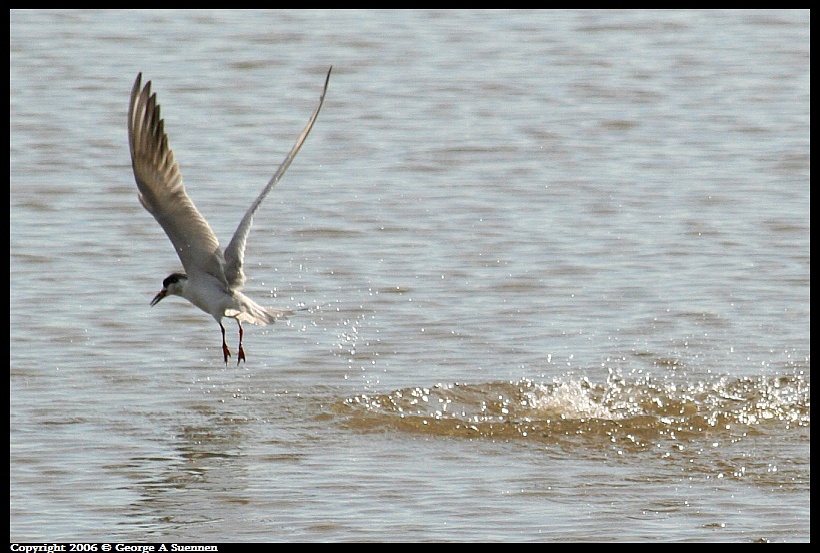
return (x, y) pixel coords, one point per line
(212, 280)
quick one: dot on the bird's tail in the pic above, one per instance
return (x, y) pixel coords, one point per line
(252, 312)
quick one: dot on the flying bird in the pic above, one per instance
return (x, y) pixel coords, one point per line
(212, 279)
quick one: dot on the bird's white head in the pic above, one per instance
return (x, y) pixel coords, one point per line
(173, 285)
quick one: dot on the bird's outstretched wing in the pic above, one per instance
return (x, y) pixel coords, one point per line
(161, 190)
(235, 252)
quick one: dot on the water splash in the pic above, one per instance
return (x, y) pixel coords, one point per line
(670, 418)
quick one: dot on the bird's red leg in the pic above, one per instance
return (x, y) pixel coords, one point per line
(225, 351)
(241, 354)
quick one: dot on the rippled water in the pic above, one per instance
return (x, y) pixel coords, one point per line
(557, 266)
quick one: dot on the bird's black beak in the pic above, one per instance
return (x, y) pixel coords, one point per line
(158, 297)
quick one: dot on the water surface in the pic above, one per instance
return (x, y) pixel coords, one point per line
(558, 266)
